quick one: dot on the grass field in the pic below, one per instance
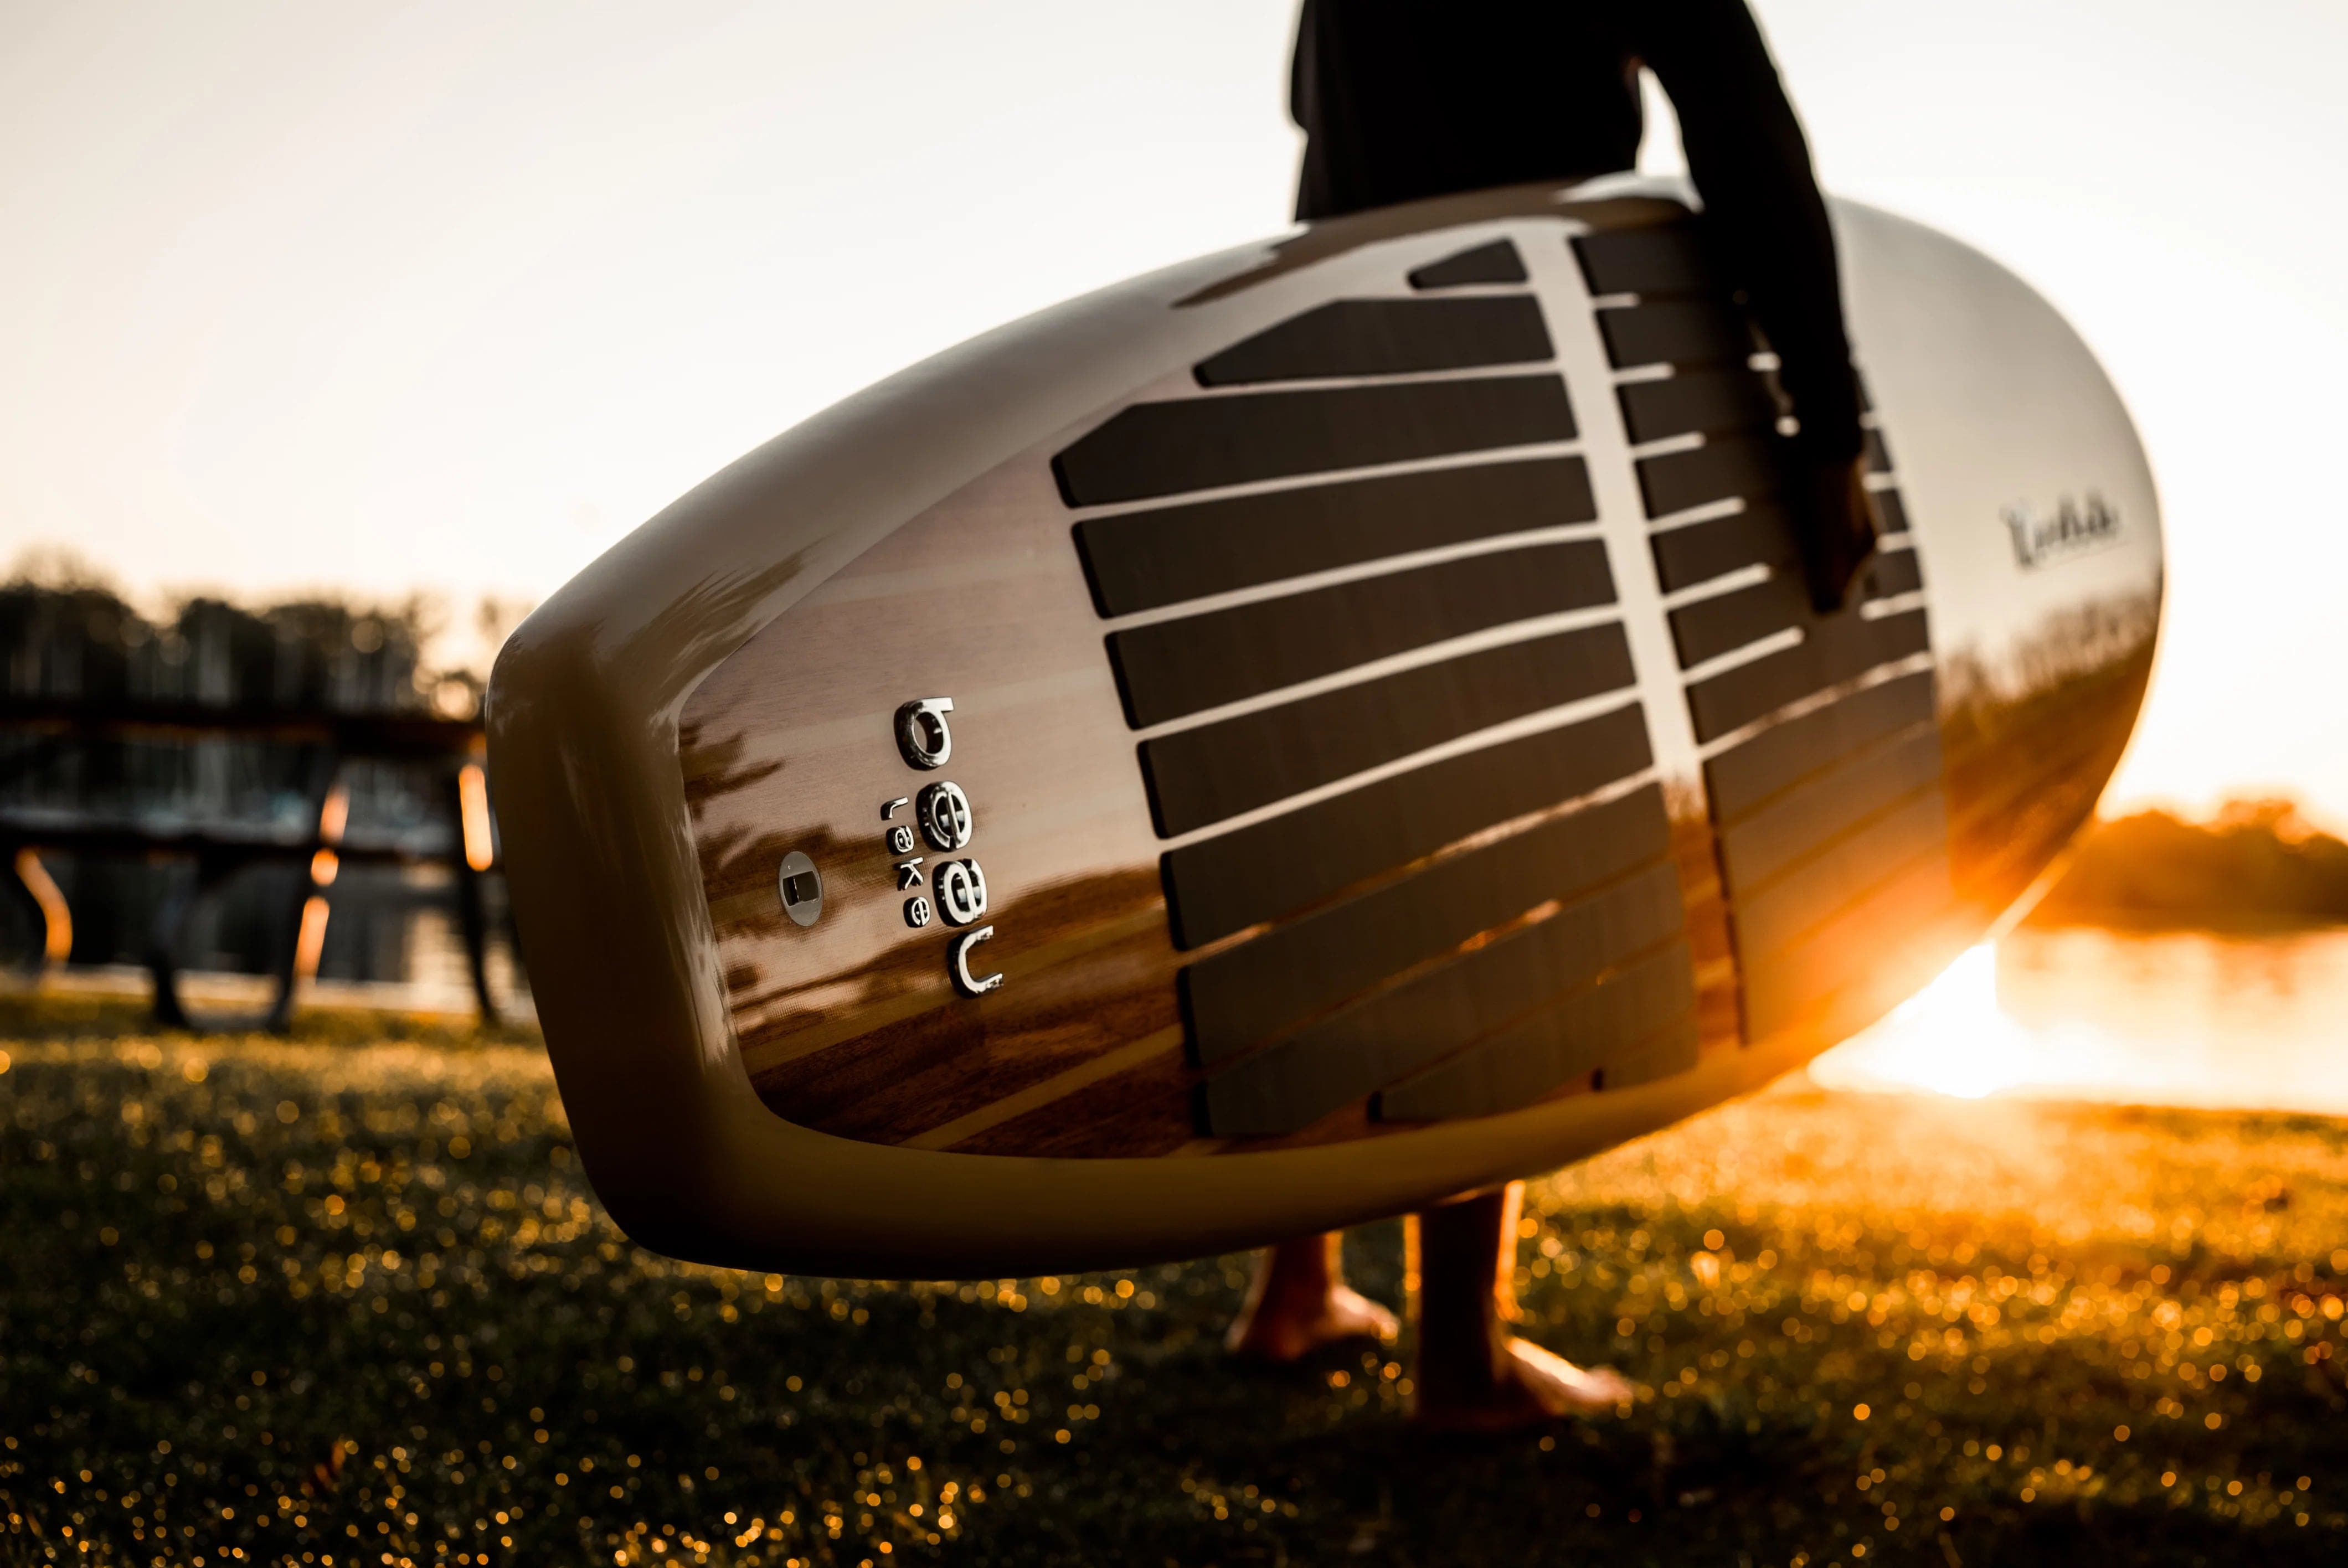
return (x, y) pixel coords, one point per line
(348, 1300)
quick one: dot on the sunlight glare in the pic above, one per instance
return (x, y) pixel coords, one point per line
(1950, 1038)
(2168, 1018)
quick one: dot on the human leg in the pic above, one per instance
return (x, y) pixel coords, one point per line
(1299, 1301)
(1473, 1375)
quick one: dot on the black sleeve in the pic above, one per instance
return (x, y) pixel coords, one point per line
(1752, 167)
(1301, 70)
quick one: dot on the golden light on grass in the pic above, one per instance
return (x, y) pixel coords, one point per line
(354, 1285)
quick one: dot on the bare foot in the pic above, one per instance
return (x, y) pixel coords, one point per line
(1530, 1387)
(1281, 1328)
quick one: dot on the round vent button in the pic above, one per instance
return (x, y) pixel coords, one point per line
(802, 888)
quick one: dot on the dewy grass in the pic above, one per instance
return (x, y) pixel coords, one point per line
(348, 1301)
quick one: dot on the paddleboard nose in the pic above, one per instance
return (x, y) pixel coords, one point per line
(2038, 525)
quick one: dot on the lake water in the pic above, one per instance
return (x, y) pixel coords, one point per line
(2171, 1019)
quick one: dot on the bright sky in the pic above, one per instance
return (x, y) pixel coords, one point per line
(452, 295)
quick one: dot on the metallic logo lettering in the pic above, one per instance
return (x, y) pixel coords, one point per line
(943, 812)
(961, 891)
(921, 732)
(964, 982)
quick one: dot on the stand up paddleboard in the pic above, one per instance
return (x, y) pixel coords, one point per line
(1307, 733)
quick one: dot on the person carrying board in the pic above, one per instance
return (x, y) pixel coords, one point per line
(1402, 101)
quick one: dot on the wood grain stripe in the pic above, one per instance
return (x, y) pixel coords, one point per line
(1682, 332)
(1819, 887)
(1289, 862)
(1667, 259)
(1289, 1086)
(1722, 624)
(1743, 778)
(1760, 534)
(763, 1055)
(1217, 769)
(1895, 572)
(1528, 1060)
(1239, 997)
(1808, 817)
(1716, 471)
(1711, 627)
(1497, 262)
(1037, 1095)
(1171, 669)
(1386, 337)
(1697, 401)
(1204, 443)
(1142, 560)
(1831, 653)
(1671, 1050)
(1851, 946)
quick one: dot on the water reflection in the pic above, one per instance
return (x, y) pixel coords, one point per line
(2173, 1019)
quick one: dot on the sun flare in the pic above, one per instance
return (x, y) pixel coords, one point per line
(1950, 1038)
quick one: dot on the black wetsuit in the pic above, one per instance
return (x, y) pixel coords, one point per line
(1403, 100)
